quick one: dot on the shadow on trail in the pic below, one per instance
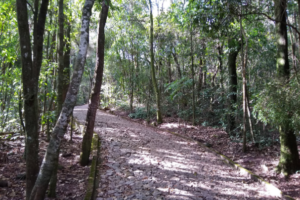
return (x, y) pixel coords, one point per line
(144, 164)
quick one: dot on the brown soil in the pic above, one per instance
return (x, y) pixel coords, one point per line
(260, 160)
(72, 178)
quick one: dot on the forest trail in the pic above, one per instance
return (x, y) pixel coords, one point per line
(140, 162)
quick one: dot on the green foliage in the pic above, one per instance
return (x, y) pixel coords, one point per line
(122, 105)
(141, 113)
(9, 34)
(50, 115)
(279, 104)
(176, 86)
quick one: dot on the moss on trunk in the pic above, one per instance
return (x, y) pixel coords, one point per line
(289, 157)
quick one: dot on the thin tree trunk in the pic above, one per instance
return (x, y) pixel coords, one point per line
(250, 117)
(48, 163)
(30, 75)
(234, 48)
(51, 59)
(20, 112)
(247, 93)
(193, 75)
(95, 97)
(299, 23)
(200, 76)
(289, 156)
(244, 86)
(154, 82)
(204, 78)
(60, 75)
(169, 69)
(131, 79)
(72, 129)
(60, 87)
(177, 64)
(67, 60)
(220, 52)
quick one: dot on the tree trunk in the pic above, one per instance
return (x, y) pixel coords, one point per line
(60, 82)
(177, 64)
(95, 97)
(289, 156)
(131, 79)
(234, 48)
(200, 76)
(67, 59)
(204, 73)
(169, 69)
(60, 86)
(193, 76)
(246, 89)
(244, 85)
(20, 106)
(299, 22)
(47, 166)
(220, 54)
(154, 82)
(30, 77)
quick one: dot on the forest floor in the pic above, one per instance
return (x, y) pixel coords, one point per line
(72, 178)
(143, 162)
(140, 160)
(260, 160)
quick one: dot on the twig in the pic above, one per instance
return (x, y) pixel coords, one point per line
(30, 7)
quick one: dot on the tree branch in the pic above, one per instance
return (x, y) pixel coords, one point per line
(30, 6)
(270, 18)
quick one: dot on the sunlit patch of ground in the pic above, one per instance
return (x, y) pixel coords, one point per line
(168, 165)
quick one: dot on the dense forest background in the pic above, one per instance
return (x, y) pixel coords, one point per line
(231, 64)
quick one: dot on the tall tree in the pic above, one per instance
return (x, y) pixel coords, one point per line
(154, 82)
(234, 48)
(31, 66)
(244, 83)
(59, 130)
(62, 79)
(289, 156)
(193, 74)
(62, 83)
(95, 96)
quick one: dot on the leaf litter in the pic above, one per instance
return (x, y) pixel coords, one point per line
(260, 160)
(72, 178)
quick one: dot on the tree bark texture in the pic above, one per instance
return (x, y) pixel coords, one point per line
(234, 48)
(131, 79)
(48, 163)
(299, 22)
(95, 97)
(154, 82)
(244, 86)
(220, 55)
(289, 156)
(60, 86)
(30, 76)
(61, 67)
(177, 64)
(246, 89)
(67, 59)
(169, 69)
(193, 76)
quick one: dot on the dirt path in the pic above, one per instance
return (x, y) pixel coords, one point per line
(141, 163)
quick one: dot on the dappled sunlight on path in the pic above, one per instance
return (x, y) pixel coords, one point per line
(141, 163)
